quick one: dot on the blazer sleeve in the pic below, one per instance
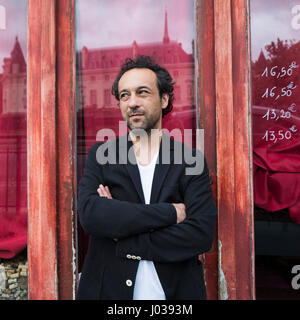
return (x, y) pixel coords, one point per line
(181, 241)
(113, 218)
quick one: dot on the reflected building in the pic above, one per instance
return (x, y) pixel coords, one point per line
(98, 68)
(13, 82)
(13, 154)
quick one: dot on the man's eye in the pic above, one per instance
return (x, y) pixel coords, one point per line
(123, 96)
(143, 91)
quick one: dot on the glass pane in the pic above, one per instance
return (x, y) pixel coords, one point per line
(13, 157)
(163, 30)
(275, 38)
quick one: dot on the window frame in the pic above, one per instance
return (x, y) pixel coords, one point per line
(224, 114)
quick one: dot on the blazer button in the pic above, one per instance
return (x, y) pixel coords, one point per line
(133, 257)
(138, 258)
(129, 283)
(128, 256)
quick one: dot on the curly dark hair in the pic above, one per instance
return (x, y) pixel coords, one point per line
(165, 82)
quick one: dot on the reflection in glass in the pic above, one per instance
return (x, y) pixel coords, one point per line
(13, 170)
(276, 107)
(108, 32)
(275, 46)
(13, 155)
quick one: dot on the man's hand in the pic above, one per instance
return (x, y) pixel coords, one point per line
(103, 191)
(180, 210)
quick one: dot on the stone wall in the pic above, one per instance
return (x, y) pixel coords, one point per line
(14, 278)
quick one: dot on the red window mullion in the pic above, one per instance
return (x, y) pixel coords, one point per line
(51, 151)
(41, 144)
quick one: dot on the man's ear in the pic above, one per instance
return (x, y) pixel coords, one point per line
(164, 100)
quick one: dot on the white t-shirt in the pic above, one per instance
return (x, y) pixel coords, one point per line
(147, 285)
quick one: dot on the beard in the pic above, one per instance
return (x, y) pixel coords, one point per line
(148, 122)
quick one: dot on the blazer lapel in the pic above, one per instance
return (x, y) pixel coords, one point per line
(165, 158)
(127, 157)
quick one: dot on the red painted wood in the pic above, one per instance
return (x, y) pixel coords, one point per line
(42, 245)
(225, 150)
(207, 119)
(66, 153)
(234, 150)
(51, 149)
(244, 216)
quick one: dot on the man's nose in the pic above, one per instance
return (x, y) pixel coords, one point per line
(133, 101)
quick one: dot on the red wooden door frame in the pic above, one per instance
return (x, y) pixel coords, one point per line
(51, 149)
(41, 137)
(234, 150)
(224, 102)
(207, 114)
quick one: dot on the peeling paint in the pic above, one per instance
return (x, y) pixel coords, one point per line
(223, 294)
(74, 262)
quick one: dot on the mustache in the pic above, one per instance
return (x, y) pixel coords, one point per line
(135, 112)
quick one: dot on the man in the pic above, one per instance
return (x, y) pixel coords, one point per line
(148, 220)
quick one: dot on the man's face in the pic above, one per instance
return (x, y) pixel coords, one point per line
(140, 103)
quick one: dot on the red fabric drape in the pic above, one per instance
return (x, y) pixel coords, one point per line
(13, 184)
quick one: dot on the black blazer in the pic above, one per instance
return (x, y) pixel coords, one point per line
(148, 232)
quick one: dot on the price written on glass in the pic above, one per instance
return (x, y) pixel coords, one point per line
(274, 114)
(277, 92)
(279, 135)
(279, 72)
(282, 113)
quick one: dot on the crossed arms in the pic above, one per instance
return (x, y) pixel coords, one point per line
(161, 232)
(180, 207)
